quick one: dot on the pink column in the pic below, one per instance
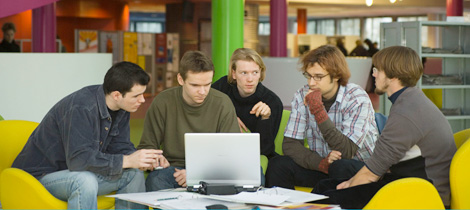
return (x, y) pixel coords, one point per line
(44, 29)
(454, 7)
(278, 33)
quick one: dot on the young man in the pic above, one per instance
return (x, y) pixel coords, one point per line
(82, 147)
(337, 119)
(8, 43)
(192, 107)
(417, 140)
(258, 108)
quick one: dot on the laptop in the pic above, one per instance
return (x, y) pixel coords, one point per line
(223, 159)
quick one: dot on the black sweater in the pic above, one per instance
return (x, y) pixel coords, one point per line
(9, 47)
(266, 128)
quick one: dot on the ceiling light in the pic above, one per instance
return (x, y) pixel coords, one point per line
(393, 1)
(369, 2)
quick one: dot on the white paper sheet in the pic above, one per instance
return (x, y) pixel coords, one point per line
(295, 196)
(253, 198)
(155, 198)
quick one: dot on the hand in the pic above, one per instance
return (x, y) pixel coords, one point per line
(325, 162)
(334, 155)
(161, 161)
(144, 158)
(243, 128)
(363, 176)
(313, 100)
(180, 177)
(261, 109)
(344, 185)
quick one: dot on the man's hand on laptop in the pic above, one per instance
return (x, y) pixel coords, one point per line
(144, 158)
(180, 177)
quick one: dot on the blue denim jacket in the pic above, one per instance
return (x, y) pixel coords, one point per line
(75, 135)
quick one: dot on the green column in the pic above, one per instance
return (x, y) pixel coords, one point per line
(227, 33)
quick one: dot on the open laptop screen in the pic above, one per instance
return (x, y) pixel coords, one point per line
(223, 158)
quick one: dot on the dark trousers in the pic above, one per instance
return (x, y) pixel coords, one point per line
(284, 172)
(350, 198)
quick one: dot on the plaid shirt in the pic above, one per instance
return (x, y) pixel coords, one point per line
(352, 113)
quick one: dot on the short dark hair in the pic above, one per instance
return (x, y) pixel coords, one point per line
(123, 76)
(195, 61)
(331, 59)
(399, 62)
(8, 26)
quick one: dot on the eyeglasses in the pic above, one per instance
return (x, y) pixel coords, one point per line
(316, 77)
(375, 70)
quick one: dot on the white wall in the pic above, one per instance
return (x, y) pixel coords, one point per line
(31, 83)
(284, 78)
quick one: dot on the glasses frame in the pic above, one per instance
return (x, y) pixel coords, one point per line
(316, 77)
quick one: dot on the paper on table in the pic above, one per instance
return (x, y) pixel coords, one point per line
(154, 198)
(253, 198)
(295, 196)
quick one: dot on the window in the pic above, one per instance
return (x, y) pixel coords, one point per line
(144, 22)
(311, 26)
(326, 27)
(372, 28)
(350, 27)
(264, 28)
(147, 27)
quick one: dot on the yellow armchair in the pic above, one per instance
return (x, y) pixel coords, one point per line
(19, 189)
(458, 176)
(461, 136)
(406, 193)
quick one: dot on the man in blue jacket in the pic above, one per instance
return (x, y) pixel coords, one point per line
(82, 147)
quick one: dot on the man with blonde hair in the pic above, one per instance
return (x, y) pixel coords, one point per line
(335, 116)
(258, 108)
(417, 140)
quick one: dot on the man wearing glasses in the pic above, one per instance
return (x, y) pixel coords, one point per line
(336, 118)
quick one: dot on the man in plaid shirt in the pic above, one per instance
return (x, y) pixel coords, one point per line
(336, 118)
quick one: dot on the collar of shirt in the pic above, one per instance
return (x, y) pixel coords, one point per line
(101, 99)
(394, 96)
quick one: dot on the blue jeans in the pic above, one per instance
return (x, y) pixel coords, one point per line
(81, 188)
(162, 179)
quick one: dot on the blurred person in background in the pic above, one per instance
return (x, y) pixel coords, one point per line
(8, 43)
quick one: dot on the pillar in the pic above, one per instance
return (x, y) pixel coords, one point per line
(278, 29)
(44, 29)
(454, 7)
(301, 21)
(227, 33)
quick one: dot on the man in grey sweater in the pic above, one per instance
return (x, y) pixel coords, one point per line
(417, 140)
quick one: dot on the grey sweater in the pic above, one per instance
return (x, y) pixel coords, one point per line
(417, 141)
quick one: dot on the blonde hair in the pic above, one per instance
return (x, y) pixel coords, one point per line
(245, 54)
